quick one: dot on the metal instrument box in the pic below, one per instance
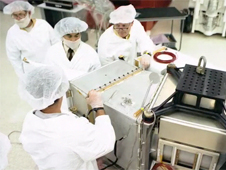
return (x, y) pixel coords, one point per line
(123, 89)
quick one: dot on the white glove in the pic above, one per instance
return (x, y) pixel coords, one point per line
(145, 61)
(94, 99)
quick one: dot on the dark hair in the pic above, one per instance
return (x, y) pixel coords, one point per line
(55, 101)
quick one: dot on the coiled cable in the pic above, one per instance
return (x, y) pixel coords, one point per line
(164, 61)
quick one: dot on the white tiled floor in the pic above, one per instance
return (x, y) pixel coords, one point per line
(13, 110)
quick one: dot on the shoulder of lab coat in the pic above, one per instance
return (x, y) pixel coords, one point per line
(144, 42)
(78, 134)
(53, 38)
(57, 48)
(92, 54)
(104, 43)
(56, 55)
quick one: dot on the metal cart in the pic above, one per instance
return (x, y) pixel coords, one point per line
(156, 14)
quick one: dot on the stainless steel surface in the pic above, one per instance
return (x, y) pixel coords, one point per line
(126, 96)
(104, 76)
(187, 129)
(193, 130)
(121, 101)
(127, 149)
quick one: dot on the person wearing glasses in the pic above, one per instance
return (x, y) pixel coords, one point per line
(125, 38)
(28, 38)
(75, 57)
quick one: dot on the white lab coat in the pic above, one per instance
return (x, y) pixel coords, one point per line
(111, 46)
(84, 60)
(67, 142)
(5, 147)
(32, 45)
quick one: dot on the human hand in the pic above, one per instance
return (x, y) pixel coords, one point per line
(145, 61)
(94, 99)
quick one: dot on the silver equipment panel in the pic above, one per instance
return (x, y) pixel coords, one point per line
(123, 88)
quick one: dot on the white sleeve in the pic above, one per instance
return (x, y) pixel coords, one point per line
(48, 59)
(53, 38)
(104, 54)
(144, 41)
(14, 55)
(95, 62)
(97, 140)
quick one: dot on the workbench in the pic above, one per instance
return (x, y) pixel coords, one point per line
(157, 14)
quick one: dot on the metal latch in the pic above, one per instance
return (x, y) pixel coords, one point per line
(199, 69)
(69, 94)
(73, 109)
(25, 60)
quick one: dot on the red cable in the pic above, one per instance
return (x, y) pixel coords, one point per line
(162, 166)
(164, 61)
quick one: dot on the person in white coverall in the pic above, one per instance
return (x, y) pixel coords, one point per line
(59, 141)
(75, 57)
(28, 38)
(125, 38)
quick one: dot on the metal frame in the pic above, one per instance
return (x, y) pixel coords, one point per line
(199, 153)
(182, 18)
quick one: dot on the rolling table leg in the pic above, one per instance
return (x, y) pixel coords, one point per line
(223, 166)
(172, 28)
(181, 33)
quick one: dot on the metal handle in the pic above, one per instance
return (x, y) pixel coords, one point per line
(201, 69)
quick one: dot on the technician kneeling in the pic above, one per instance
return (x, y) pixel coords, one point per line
(59, 141)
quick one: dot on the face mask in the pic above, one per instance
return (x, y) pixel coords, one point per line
(72, 44)
(23, 23)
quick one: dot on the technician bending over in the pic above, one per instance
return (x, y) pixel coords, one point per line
(59, 141)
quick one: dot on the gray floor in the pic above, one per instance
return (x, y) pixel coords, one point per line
(13, 109)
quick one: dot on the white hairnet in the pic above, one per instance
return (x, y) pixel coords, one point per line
(5, 147)
(70, 25)
(18, 6)
(123, 14)
(43, 85)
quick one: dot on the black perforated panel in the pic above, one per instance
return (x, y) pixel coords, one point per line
(212, 84)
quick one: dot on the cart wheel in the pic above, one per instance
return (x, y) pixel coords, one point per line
(188, 21)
